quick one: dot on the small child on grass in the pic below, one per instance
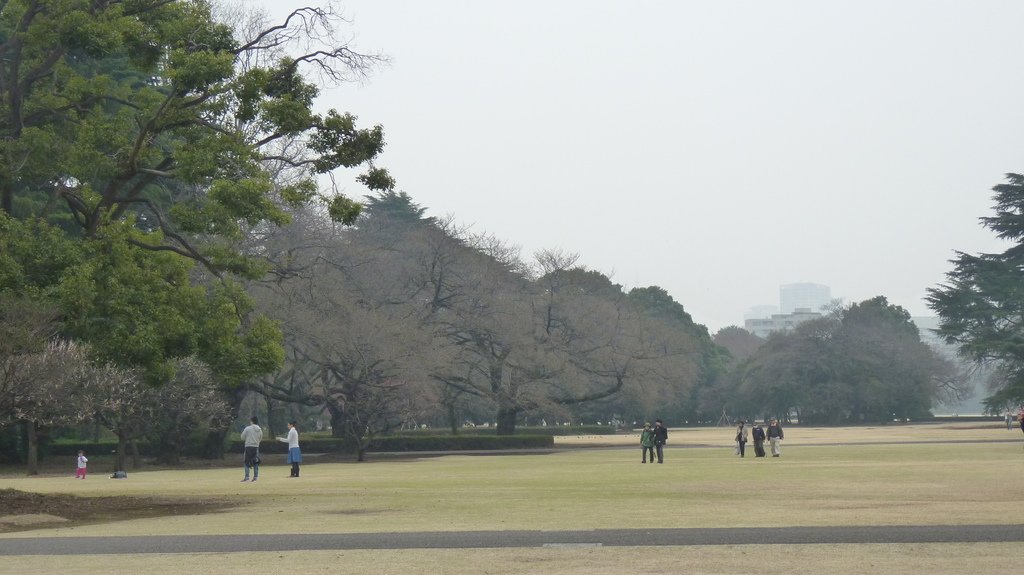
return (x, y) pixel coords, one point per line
(82, 462)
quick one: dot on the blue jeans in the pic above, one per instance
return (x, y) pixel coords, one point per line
(255, 471)
(251, 453)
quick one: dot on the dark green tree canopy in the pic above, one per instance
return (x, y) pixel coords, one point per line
(139, 138)
(981, 305)
(152, 108)
(396, 206)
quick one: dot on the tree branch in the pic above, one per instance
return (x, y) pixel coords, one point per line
(254, 44)
(184, 248)
(619, 381)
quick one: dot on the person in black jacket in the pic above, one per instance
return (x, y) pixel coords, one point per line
(660, 438)
(758, 434)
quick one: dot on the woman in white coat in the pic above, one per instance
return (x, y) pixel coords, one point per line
(294, 455)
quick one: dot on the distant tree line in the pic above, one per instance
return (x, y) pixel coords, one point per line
(862, 363)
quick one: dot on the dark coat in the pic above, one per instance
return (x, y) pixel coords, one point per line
(660, 435)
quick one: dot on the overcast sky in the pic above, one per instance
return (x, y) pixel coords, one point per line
(715, 149)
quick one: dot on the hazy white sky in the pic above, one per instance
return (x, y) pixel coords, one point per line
(715, 149)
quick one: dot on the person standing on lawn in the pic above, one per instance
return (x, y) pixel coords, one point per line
(742, 434)
(775, 437)
(83, 461)
(660, 439)
(758, 434)
(294, 455)
(252, 435)
(647, 442)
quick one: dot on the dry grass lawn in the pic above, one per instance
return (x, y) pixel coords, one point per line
(933, 559)
(965, 474)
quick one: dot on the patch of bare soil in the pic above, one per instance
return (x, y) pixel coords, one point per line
(22, 511)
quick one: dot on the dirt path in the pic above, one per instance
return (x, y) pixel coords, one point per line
(496, 539)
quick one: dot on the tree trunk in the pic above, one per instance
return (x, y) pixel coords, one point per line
(507, 419)
(167, 448)
(136, 459)
(453, 418)
(32, 454)
(271, 409)
(122, 448)
(337, 420)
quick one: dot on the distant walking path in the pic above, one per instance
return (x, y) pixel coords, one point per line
(485, 539)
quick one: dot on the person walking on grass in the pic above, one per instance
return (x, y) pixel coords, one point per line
(252, 435)
(758, 435)
(647, 442)
(775, 437)
(294, 455)
(660, 439)
(83, 461)
(742, 435)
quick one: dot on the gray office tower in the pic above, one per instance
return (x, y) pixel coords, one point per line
(806, 296)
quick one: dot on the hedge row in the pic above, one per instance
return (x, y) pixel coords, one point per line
(410, 443)
(532, 430)
(320, 444)
(89, 447)
(460, 442)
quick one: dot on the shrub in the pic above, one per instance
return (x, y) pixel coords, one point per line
(536, 430)
(426, 442)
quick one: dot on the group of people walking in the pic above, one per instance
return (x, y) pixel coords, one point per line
(252, 435)
(653, 439)
(774, 435)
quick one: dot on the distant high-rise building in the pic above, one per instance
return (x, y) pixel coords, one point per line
(779, 322)
(806, 296)
(799, 302)
(761, 312)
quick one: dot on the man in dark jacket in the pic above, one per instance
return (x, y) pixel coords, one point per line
(660, 437)
(775, 437)
(758, 434)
